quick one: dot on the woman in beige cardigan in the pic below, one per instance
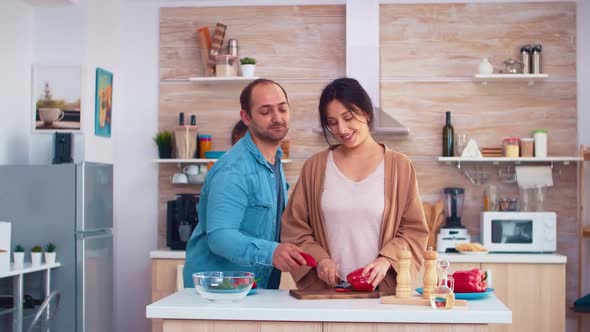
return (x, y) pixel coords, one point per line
(355, 204)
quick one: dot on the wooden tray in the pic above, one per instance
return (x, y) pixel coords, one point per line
(328, 294)
(415, 300)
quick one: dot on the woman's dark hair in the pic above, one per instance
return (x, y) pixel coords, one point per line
(238, 132)
(246, 96)
(351, 94)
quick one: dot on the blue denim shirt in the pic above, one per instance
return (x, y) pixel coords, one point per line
(237, 229)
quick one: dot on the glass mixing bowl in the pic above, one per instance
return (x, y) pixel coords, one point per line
(223, 286)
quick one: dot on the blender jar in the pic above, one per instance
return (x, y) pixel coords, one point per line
(453, 198)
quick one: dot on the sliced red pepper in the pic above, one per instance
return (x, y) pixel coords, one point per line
(309, 261)
(358, 282)
(254, 285)
(472, 281)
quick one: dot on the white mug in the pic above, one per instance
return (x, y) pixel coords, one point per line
(179, 178)
(50, 115)
(191, 170)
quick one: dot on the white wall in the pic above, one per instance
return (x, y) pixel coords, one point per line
(84, 35)
(16, 38)
(136, 177)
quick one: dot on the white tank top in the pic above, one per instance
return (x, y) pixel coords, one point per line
(353, 213)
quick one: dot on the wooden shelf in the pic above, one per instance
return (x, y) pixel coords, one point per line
(514, 160)
(529, 78)
(211, 79)
(497, 160)
(198, 161)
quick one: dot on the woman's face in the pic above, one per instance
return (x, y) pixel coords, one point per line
(349, 128)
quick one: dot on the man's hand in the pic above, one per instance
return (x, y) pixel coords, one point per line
(287, 258)
(328, 271)
(376, 271)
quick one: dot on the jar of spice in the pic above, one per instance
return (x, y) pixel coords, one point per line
(526, 146)
(204, 145)
(511, 149)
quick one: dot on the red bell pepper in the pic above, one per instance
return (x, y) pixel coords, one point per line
(358, 282)
(472, 281)
(309, 260)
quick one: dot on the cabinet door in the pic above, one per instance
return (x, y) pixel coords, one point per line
(164, 283)
(534, 292)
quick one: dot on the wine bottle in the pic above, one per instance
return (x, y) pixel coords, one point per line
(447, 138)
(181, 119)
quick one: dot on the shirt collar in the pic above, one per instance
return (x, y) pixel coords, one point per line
(251, 146)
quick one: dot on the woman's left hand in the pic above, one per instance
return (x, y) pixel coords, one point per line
(376, 271)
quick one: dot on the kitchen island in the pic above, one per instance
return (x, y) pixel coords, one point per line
(273, 310)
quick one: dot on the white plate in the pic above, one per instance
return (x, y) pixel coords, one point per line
(475, 253)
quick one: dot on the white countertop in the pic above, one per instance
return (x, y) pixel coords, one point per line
(453, 258)
(278, 305)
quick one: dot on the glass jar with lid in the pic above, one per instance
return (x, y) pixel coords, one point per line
(511, 147)
(204, 145)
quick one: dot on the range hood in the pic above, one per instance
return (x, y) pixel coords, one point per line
(363, 63)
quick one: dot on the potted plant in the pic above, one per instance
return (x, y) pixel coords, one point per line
(36, 252)
(49, 253)
(164, 141)
(19, 255)
(248, 66)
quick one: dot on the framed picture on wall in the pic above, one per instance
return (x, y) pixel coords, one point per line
(57, 98)
(104, 103)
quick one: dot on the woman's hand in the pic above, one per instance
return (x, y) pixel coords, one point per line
(328, 272)
(376, 271)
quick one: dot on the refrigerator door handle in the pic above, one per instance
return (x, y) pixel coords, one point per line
(94, 234)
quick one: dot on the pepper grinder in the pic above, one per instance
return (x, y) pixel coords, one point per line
(403, 279)
(430, 277)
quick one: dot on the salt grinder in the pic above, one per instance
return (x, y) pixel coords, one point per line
(430, 276)
(403, 288)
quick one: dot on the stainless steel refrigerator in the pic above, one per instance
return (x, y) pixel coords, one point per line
(70, 205)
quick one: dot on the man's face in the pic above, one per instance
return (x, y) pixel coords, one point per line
(269, 113)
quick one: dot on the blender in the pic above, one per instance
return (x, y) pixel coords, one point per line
(453, 233)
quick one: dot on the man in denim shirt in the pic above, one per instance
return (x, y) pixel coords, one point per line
(244, 195)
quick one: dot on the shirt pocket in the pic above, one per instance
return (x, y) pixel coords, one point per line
(258, 218)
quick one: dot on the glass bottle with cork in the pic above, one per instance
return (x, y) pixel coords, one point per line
(443, 297)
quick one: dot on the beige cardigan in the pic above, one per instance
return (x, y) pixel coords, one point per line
(403, 226)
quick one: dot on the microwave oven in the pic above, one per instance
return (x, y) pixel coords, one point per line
(519, 231)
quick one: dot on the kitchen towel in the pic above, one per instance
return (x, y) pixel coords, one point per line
(533, 176)
(4, 245)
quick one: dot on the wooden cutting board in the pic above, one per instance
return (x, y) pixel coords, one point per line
(327, 294)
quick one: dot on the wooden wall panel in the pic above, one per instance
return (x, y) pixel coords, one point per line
(488, 113)
(287, 41)
(437, 40)
(301, 47)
